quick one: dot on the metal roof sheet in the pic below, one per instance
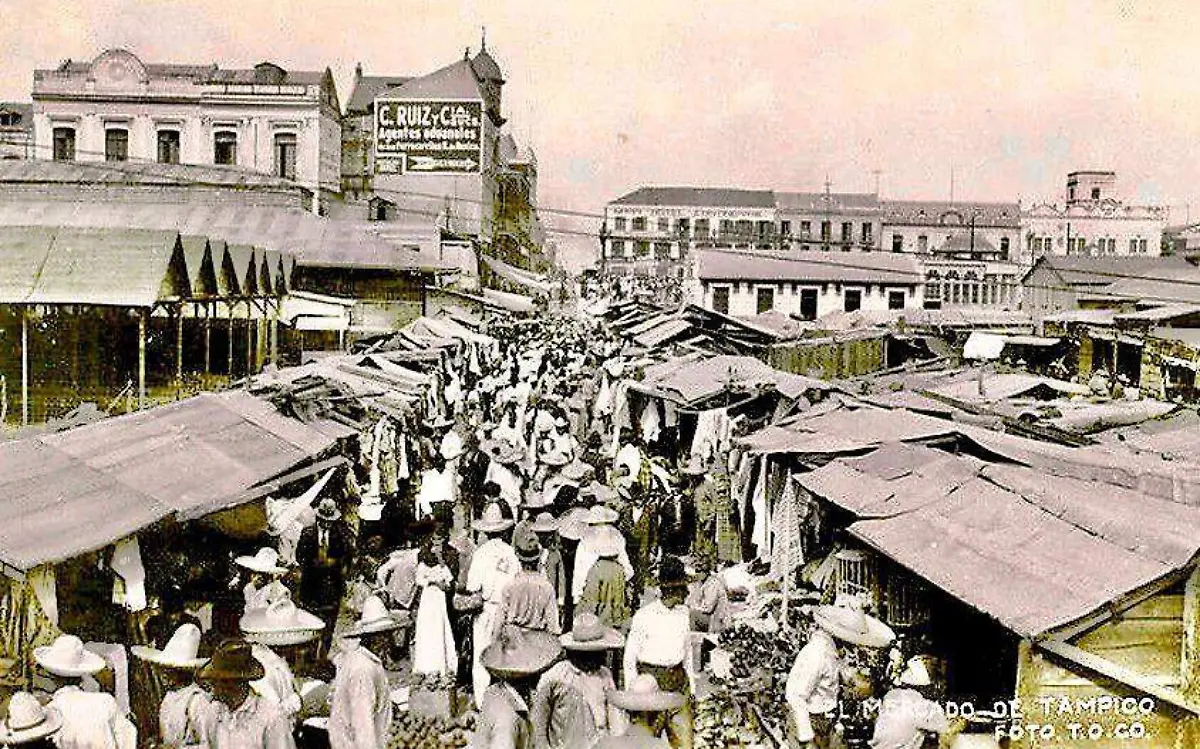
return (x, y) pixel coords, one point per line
(874, 267)
(197, 254)
(714, 197)
(690, 382)
(72, 492)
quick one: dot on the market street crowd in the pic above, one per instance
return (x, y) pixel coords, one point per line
(511, 555)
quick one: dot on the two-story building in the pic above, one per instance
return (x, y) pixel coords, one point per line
(829, 221)
(652, 230)
(263, 119)
(1093, 221)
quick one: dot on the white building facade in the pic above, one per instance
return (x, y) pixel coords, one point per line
(747, 283)
(1094, 221)
(653, 230)
(118, 108)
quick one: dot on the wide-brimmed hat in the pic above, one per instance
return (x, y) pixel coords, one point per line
(181, 651)
(535, 500)
(853, 626)
(544, 523)
(67, 657)
(440, 422)
(672, 573)
(916, 673)
(601, 515)
(589, 634)
(280, 623)
(265, 561)
(555, 459)
(452, 446)
(233, 661)
(694, 467)
(515, 652)
(571, 525)
(328, 510)
(526, 544)
(576, 470)
(644, 696)
(599, 492)
(28, 720)
(374, 618)
(493, 520)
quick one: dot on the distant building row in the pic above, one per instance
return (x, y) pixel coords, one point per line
(653, 230)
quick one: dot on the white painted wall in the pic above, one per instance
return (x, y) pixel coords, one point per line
(743, 299)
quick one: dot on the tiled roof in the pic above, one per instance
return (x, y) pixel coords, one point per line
(366, 88)
(945, 213)
(874, 267)
(811, 202)
(1088, 270)
(455, 81)
(700, 197)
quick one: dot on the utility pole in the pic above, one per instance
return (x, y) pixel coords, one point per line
(952, 183)
(876, 172)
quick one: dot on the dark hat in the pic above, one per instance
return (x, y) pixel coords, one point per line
(525, 542)
(671, 573)
(328, 510)
(588, 633)
(515, 652)
(233, 661)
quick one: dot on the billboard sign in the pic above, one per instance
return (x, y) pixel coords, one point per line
(431, 136)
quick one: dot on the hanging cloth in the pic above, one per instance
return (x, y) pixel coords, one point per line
(760, 536)
(650, 422)
(129, 587)
(45, 587)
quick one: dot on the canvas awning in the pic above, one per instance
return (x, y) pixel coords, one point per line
(516, 275)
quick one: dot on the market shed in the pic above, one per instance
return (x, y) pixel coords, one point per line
(1093, 587)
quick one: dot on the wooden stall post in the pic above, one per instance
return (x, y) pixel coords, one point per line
(24, 366)
(208, 310)
(1189, 666)
(178, 349)
(141, 359)
(229, 370)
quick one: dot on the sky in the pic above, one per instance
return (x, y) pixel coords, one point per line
(1006, 95)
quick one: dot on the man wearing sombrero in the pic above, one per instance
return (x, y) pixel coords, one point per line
(493, 565)
(571, 705)
(28, 724)
(529, 600)
(360, 705)
(514, 659)
(907, 715)
(187, 713)
(243, 719)
(648, 708)
(815, 678)
(91, 719)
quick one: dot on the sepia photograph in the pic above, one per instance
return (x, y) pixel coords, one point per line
(692, 374)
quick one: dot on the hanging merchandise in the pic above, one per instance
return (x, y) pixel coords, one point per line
(787, 548)
(129, 587)
(403, 471)
(604, 399)
(45, 587)
(761, 534)
(650, 422)
(670, 414)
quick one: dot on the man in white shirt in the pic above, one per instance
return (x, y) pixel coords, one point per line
(243, 719)
(815, 679)
(601, 532)
(658, 643)
(91, 718)
(360, 710)
(493, 565)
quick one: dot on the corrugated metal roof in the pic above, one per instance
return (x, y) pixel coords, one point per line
(664, 331)
(242, 258)
(874, 267)
(690, 382)
(315, 240)
(816, 202)
(76, 491)
(137, 173)
(127, 267)
(202, 276)
(707, 197)
(997, 387)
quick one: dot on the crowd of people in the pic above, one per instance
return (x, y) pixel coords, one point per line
(514, 547)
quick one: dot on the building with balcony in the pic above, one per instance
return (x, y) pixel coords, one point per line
(652, 230)
(264, 119)
(1093, 221)
(16, 130)
(828, 221)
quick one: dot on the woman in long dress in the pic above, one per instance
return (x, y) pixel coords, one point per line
(433, 643)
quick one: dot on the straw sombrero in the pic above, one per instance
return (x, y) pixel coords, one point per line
(67, 657)
(28, 720)
(281, 623)
(601, 515)
(375, 618)
(544, 523)
(571, 525)
(853, 626)
(644, 696)
(493, 520)
(515, 652)
(589, 634)
(180, 652)
(265, 561)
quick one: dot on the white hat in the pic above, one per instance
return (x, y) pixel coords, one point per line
(179, 652)
(265, 561)
(452, 445)
(28, 720)
(67, 657)
(375, 617)
(916, 673)
(853, 626)
(281, 623)
(493, 520)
